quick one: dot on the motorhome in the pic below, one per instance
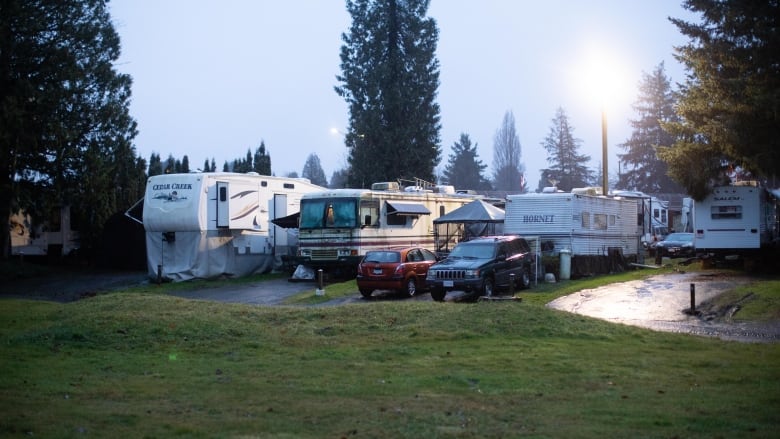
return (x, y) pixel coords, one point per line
(735, 219)
(205, 225)
(585, 225)
(338, 226)
(53, 237)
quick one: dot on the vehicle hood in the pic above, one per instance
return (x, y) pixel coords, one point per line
(675, 243)
(459, 264)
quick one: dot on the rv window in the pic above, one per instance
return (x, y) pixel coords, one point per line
(369, 211)
(396, 220)
(289, 185)
(264, 183)
(223, 194)
(726, 212)
(599, 221)
(585, 220)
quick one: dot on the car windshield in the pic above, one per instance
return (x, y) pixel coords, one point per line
(382, 256)
(476, 250)
(680, 237)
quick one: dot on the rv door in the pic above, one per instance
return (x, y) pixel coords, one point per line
(223, 205)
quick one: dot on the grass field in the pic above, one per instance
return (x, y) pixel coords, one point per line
(144, 364)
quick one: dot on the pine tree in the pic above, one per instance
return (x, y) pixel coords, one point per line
(729, 102)
(389, 79)
(508, 170)
(644, 170)
(568, 166)
(312, 170)
(464, 170)
(64, 112)
(262, 160)
(155, 165)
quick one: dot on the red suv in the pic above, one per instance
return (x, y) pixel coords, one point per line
(400, 269)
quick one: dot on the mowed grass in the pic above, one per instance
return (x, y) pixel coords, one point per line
(139, 364)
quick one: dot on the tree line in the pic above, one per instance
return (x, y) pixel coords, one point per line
(66, 133)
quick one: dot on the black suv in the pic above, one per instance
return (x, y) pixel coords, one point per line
(481, 266)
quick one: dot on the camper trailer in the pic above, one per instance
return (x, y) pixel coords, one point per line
(652, 215)
(585, 225)
(211, 224)
(338, 227)
(735, 220)
(52, 237)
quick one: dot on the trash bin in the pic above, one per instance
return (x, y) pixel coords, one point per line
(565, 261)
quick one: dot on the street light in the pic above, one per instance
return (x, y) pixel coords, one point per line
(604, 80)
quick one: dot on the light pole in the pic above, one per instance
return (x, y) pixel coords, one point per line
(605, 174)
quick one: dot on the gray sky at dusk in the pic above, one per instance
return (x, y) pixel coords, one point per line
(213, 79)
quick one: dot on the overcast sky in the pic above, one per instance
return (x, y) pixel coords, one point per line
(214, 79)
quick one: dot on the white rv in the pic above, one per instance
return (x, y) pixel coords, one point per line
(584, 224)
(652, 215)
(211, 224)
(338, 226)
(53, 237)
(735, 219)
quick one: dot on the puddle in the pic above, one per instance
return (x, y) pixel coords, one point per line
(659, 302)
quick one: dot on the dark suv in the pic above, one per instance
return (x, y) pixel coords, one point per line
(481, 266)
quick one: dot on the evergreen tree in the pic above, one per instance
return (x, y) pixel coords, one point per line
(644, 170)
(185, 165)
(155, 165)
(567, 164)
(389, 79)
(66, 132)
(225, 167)
(464, 170)
(508, 170)
(213, 165)
(729, 102)
(339, 179)
(206, 166)
(170, 165)
(262, 162)
(312, 170)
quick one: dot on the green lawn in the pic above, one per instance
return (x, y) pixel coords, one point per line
(140, 364)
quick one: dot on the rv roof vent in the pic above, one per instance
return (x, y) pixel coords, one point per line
(549, 190)
(444, 189)
(586, 190)
(386, 186)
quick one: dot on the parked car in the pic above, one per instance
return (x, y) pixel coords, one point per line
(482, 266)
(676, 245)
(400, 269)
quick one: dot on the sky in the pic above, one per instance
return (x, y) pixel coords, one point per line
(214, 79)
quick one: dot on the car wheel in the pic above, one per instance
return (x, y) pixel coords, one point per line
(525, 278)
(487, 287)
(438, 294)
(366, 292)
(411, 287)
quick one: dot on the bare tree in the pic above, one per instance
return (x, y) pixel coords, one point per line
(507, 168)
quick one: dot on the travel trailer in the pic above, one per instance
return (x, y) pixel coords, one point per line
(652, 215)
(207, 225)
(582, 224)
(53, 237)
(735, 219)
(338, 226)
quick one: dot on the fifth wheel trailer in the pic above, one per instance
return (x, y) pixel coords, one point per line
(735, 220)
(205, 225)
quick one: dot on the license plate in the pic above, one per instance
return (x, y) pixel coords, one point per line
(377, 271)
(449, 283)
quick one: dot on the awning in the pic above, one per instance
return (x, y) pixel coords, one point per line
(288, 222)
(395, 208)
